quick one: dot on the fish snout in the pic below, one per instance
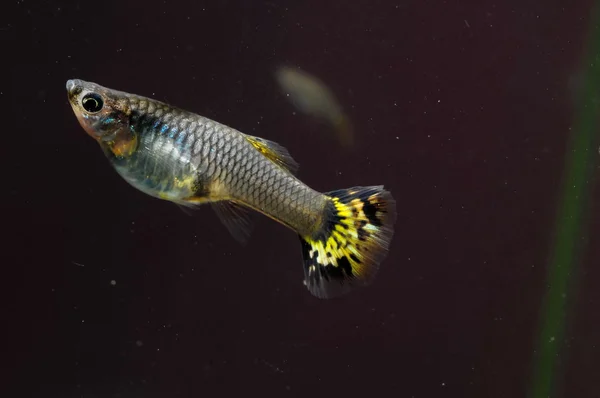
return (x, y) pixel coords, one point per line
(73, 86)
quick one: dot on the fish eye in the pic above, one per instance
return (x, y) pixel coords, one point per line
(92, 102)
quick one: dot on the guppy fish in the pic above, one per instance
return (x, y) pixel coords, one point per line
(172, 154)
(312, 97)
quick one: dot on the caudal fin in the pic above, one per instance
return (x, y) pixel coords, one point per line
(355, 237)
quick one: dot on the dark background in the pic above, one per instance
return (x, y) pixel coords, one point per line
(462, 109)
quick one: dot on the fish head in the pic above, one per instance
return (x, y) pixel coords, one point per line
(104, 115)
(102, 112)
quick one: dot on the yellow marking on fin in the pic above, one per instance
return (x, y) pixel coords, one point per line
(274, 152)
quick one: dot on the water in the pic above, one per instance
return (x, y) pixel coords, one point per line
(466, 113)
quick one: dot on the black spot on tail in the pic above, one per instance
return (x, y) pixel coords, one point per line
(371, 212)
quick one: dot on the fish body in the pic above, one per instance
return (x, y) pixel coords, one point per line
(185, 158)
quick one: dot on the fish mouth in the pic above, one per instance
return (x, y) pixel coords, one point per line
(71, 84)
(74, 87)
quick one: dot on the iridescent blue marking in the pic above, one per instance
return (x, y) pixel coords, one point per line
(163, 128)
(105, 123)
(173, 132)
(181, 138)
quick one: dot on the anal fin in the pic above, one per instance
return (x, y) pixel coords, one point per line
(236, 219)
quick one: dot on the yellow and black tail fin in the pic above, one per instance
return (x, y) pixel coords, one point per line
(357, 229)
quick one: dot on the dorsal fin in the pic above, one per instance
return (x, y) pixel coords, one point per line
(274, 152)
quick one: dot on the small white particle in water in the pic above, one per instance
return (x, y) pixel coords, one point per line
(397, 137)
(139, 343)
(552, 339)
(113, 282)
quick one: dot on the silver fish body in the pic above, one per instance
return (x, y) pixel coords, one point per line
(187, 158)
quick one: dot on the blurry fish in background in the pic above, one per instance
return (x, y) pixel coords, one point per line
(311, 96)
